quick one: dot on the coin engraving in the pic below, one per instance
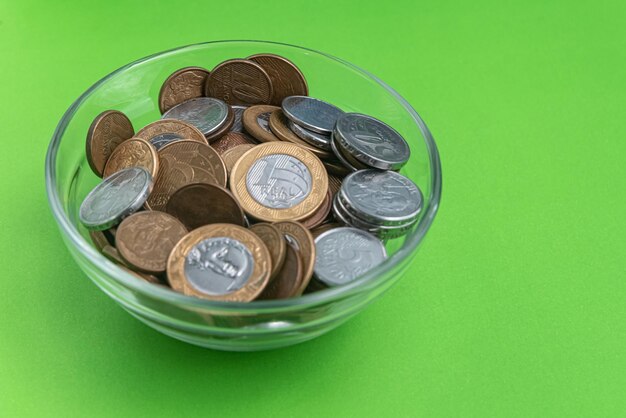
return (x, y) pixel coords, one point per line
(287, 80)
(239, 82)
(184, 84)
(133, 153)
(109, 129)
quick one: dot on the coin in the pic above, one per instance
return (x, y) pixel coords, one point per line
(230, 120)
(231, 140)
(116, 197)
(341, 157)
(275, 243)
(287, 79)
(232, 155)
(320, 214)
(256, 121)
(99, 239)
(239, 82)
(220, 262)
(185, 162)
(371, 141)
(207, 114)
(113, 254)
(145, 240)
(200, 204)
(315, 232)
(182, 85)
(312, 138)
(344, 254)
(109, 129)
(238, 123)
(334, 184)
(277, 181)
(134, 152)
(310, 113)
(166, 131)
(302, 239)
(279, 126)
(286, 283)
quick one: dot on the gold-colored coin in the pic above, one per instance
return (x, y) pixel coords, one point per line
(232, 155)
(301, 238)
(220, 262)
(182, 85)
(256, 121)
(278, 181)
(165, 131)
(275, 243)
(133, 152)
(278, 125)
(181, 163)
(109, 129)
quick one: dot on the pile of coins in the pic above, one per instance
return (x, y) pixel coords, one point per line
(247, 188)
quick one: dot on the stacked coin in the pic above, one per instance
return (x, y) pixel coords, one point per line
(221, 198)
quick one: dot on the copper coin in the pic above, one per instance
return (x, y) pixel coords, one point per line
(182, 85)
(231, 140)
(109, 129)
(113, 254)
(222, 130)
(145, 240)
(321, 214)
(239, 82)
(232, 155)
(181, 163)
(166, 131)
(275, 243)
(323, 228)
(220, 262)
(286, 283)
(279, 126)
(334, 184)
(287, 79)
(134, 152)
(200, 204)
(256, 121)
(302, 239)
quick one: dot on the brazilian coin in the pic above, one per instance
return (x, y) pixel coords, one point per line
(286, 283)
(145, 240)
(239, 82)
(256, 121)
(323, 228)
(310, 113)
(344, 254)
(232, 155)
(220, 262)
(225, 129)
(341, 157)
(300, 237)
(134, 152)
(166, 131)
(207, 114)
(116, 197)
(279, 126)
(238, 123)
(200, 204)
(320, 214)
(371, 142)
(310, 137)
(182, 85)
(109, 129)
(113, 254)
(275, 243)
(287, 79)
(231, 140)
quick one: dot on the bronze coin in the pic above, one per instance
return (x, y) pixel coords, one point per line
(256, 121)
(278, 125)
(302, 239)
(287, 79)
(181, 163)
(220, 262)
(230, 140)
(200, 204)
(320, 214)
(222, 130)
(134, 152)
(275, 243)
(334, 184)
(113, 254)
(239, 82)
(145, 240)
(109, 129)
(286, 283)
(232, 155)
(165, 131)
(182, 85)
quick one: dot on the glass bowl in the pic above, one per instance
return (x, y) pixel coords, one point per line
(259, 325)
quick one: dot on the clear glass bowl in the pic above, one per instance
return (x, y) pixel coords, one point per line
(133, 89)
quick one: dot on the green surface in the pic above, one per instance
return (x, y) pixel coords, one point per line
(515, 305)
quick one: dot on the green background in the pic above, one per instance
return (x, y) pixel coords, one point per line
(515, 305)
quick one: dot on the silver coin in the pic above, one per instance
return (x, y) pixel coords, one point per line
(263, 120)
(371, 141)
(205, 113)
(218, 266)
(344, 254)
(279, 181)
(162, 140)
(335, 148)
(313, 138)
(116, 197)
(383, 197)
(313, 114)
(238, 123)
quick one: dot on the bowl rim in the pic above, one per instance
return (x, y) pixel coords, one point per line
(126, 279)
